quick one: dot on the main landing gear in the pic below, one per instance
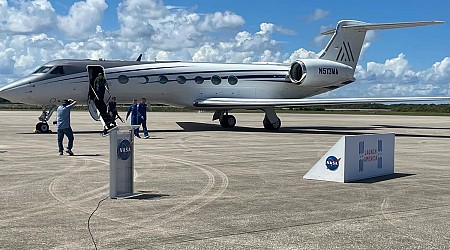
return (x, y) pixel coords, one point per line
(42, 126)
(271, 121)
(226, 120)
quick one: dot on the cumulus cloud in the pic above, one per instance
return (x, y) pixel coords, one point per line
(135, 17)
(318, 14)
(26, 16)
(246, 47)
(395, 77)
(83, 18)
(220, 20)
(301, 54)
(170, 29)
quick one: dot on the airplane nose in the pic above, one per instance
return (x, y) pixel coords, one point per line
(17, 90)
(5, 93)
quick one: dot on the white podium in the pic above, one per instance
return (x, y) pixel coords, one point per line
(121, 161)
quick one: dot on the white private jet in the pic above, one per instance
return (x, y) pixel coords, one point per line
(207, 86)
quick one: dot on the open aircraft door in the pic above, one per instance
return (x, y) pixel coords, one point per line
(93, 71)
(97, 106)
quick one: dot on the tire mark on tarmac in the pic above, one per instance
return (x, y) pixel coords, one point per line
(37, 210)
(171, 214)
(181, 210)
(215, 195)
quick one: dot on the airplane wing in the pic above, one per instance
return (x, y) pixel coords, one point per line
(260, 103)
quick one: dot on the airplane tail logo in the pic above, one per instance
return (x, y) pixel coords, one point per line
(345, 53)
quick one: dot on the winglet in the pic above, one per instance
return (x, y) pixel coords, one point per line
(139, 58)
(382, 26)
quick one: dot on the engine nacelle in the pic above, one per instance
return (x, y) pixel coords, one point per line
(319, 73)
(297, 72)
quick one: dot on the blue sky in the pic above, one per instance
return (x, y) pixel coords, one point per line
(37, 31)
(425, 45)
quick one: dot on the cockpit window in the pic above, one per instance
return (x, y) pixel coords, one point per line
(43, 69)
(59, 70)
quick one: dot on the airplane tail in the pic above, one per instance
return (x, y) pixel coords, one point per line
(348, 38)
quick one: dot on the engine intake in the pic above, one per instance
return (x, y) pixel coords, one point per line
(297, 72)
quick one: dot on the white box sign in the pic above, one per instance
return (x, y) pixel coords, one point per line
(356, 157)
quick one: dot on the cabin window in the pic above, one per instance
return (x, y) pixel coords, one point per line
(123, 79)
(43, 69)
(143, 80)
(181, 80)
(199, 79)
(216, 80)
(59, 70)
(232, 80)
(163, 79)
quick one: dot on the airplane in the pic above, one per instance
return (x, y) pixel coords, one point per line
(220, 87)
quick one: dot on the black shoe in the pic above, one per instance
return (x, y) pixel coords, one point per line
(61, 153)
(69, 152)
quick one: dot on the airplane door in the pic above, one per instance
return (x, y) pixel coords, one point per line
(93, 71)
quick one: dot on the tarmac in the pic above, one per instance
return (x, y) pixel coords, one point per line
(205, 187)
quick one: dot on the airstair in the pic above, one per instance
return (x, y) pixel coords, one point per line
(98, 108)
(99, 111)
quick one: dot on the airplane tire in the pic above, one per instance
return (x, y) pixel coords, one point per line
(271, 126)
(42, 127)
(228, 121)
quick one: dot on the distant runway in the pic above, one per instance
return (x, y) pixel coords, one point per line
(212, 188)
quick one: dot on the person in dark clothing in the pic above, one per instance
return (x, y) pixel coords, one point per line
(63, 123)
(112, 108)
(133, 110)
(142, 116)
(101, 85)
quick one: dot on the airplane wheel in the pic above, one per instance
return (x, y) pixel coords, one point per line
(228, 121)
(42, 127)
(271, 126)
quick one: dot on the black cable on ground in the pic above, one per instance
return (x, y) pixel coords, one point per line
(89, 220)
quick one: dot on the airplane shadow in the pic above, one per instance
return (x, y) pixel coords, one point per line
(319, 130)
(383, 178)
(198, 127)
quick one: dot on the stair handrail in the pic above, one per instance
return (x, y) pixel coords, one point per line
(95, 93)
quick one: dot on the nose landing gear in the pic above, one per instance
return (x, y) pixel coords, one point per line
(42, 126)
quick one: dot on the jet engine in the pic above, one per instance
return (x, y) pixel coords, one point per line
(297, 72)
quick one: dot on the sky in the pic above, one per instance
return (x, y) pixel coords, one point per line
(401, 62)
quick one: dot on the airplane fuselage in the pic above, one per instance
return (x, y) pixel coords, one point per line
(178, 83)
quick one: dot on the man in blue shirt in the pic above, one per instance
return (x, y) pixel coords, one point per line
(133, 110)
(142, 116)
(63, 123)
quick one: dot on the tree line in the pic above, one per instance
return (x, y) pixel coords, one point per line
(418, 108)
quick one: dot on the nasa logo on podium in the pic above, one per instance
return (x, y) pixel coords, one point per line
(124, 149)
